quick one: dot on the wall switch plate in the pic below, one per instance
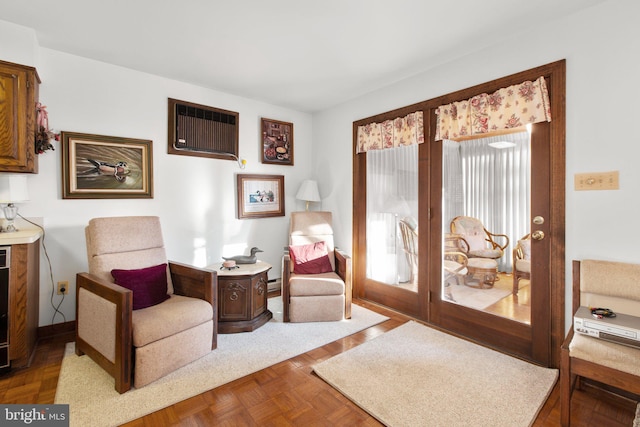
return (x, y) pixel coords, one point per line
(597, 181)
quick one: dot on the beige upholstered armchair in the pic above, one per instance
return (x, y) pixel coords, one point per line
(601, 284)
(521, 262)
(159, 317)
(316, 276)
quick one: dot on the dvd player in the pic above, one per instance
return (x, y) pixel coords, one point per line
(621, 329)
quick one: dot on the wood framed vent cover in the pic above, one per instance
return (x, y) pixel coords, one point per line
(198, 130)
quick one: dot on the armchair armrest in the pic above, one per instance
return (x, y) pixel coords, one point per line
(104, 327)
(201, 283)
(286, 275)
(459, 257)
(343, 269)
(194, 282)
(495, 244)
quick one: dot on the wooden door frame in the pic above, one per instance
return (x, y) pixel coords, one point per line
(403, 300)
(429, 243)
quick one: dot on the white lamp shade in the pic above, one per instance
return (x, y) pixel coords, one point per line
(13, 189)
(308, 191)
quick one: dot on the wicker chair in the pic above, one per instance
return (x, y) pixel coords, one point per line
(521, 262)
(409, 234)
(480, 242)
(481, 247)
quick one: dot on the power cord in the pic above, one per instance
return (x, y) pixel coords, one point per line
(56, 308)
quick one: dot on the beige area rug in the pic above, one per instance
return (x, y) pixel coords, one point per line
(414, 375)
(636, 422)
(478, 299)
(93, 401)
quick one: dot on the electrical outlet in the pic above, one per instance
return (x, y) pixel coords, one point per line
(63, 287)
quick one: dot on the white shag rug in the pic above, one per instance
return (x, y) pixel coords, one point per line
(415, 375)
(93, 401)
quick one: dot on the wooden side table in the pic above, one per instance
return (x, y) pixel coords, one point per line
(242, 297)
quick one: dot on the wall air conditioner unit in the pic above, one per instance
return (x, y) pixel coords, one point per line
(198, 130)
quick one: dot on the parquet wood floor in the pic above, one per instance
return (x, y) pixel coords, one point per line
(288, 394)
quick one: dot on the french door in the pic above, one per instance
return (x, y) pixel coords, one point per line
(540, 338)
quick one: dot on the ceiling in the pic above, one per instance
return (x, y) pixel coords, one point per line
(300, 54)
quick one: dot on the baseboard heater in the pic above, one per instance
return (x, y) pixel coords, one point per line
(274, 285)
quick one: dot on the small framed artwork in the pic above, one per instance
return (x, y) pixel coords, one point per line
(260, 196)
(106, 167)
(277, 142)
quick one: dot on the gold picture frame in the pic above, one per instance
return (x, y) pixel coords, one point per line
(106, 167)
(260, 196)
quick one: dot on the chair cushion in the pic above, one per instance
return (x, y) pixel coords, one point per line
(486, 263)
(310, 227)
(312, 258)
(476, 242)
(316, 284)
(486, 253)
(523, 265)
(112, 235)
(175, 315)
(325, 308)
(149, 285)
(525, 245)
(612, 355)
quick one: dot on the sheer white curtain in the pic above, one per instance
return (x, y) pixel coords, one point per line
(497, 185)
(452, 188)
(392, 194)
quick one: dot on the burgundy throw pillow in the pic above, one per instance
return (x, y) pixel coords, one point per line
(310, 259)
(149, 285)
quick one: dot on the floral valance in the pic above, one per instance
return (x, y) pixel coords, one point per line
(407, 130)
(507, 108)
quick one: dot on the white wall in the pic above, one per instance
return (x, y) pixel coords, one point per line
(603, 66)
(194, 197)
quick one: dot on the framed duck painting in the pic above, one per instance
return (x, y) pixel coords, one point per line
(106, 167)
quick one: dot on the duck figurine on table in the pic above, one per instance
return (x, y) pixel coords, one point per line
(245, 259)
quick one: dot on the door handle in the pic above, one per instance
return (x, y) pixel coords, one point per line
(537, 235)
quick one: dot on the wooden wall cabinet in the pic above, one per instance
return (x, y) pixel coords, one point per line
(18, 97)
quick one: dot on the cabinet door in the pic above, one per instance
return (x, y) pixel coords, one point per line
(260, 290)
(18, 97)
(234, 295)
(24, 287)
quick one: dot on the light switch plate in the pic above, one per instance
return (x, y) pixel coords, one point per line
(597, 181)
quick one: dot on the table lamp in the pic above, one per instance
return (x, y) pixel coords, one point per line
(13, 189)
(308, 192)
